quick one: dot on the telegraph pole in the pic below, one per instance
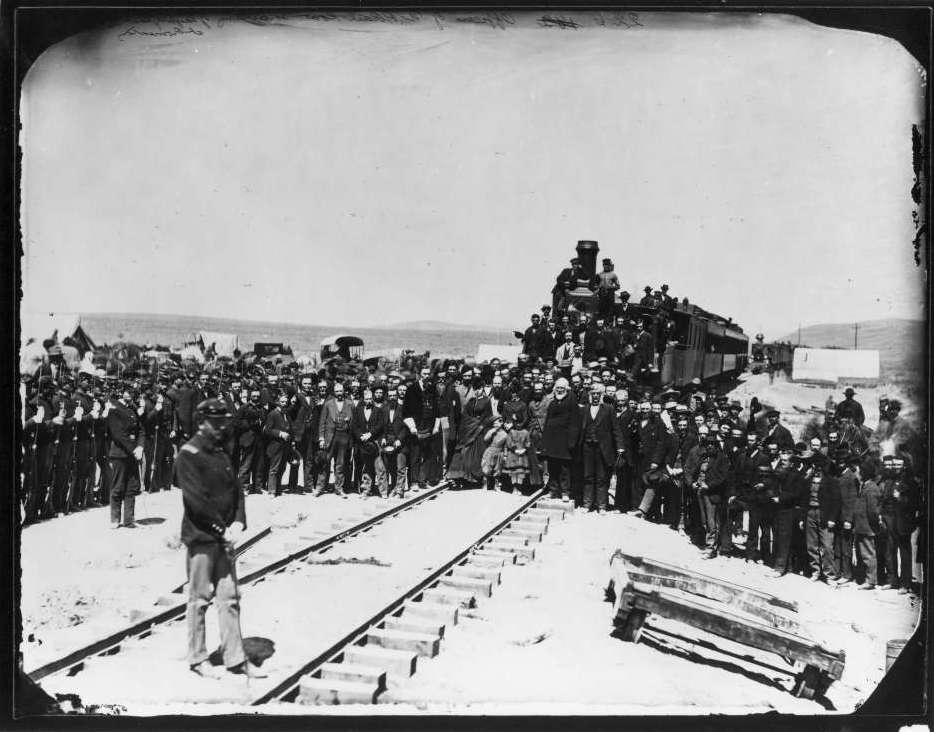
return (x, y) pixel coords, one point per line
(855, 336)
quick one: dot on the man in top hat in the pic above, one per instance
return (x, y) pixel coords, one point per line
(606, 283)
(667, 301)
(851, 408)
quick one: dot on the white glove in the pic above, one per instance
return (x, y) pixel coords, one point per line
(79, 413)
(233, 533)
(40, 414)
(138, 453)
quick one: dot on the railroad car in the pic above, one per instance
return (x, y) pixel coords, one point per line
(780, 353)
(700, 344)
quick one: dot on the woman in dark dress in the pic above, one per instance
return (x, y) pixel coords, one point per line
(476, 419)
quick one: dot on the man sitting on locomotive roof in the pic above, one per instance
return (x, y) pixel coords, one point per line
(647, 300)
(667, 301)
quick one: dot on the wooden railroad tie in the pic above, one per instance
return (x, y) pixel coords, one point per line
(739, 614)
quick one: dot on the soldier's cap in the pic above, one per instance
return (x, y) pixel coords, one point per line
(895, 405)
(55, 350)
(736, 405)
(773, 413)
(213, 408)
(765, 468)
(546, 307)
(575, 260)
(815, 442)
(671, 405)
(607, 260)
(849, 392)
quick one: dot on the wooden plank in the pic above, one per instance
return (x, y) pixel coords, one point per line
(743, 603)
(720, 620)
(716, 587)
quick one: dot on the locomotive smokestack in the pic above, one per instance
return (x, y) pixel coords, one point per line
(587, 251)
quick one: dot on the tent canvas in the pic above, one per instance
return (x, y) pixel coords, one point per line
(224, 343)
(831, 365)
(42, 325)
(487, 351)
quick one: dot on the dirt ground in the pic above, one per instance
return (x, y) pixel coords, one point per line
(542, 643)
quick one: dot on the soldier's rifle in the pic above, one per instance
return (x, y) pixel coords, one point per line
(48, 506)
(72, 470)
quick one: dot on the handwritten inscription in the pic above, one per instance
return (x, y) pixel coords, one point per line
(494, 20)
(558, 21)
(196, 26)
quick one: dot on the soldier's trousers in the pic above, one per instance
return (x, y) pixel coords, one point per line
(124, 488)
(211, 574)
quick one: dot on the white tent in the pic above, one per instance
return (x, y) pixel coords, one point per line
(224, 343)
(831, 365)
(41, 325)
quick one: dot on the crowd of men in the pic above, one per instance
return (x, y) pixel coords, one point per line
(839, 505)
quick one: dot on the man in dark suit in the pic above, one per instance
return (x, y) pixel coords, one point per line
(126, 451)
(278, 433)
(652, 447)
(184, 397)
(601, 443)
(420, 413)
(776, 432)
(334, 436)
(560, 436)
(643, 357)
(625, 463)
(248, 427)
(305, 427)
(395, 438)
(369, 426)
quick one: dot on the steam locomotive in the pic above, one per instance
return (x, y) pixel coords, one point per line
(699, 344)
(779, 354)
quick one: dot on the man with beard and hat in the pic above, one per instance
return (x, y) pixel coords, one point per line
(420, 413)
(650, 440)
(126, 452)
(565, 282)
(776, 432)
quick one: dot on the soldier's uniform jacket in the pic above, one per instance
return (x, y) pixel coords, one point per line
(211, 493)
(125, 431)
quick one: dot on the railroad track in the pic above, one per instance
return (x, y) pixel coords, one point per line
(395, 616)
(174, 609)
(389, 643)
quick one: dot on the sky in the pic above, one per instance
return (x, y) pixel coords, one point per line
(364, 170)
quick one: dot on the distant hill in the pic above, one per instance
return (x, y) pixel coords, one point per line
(901, 343)
(438, 325)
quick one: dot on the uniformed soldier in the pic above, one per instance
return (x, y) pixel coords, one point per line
(126, 452)
(213, 522)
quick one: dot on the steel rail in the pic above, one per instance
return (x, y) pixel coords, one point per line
(289, 685)
(111, 643)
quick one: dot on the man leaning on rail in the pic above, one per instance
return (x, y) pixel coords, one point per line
(213, 521)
